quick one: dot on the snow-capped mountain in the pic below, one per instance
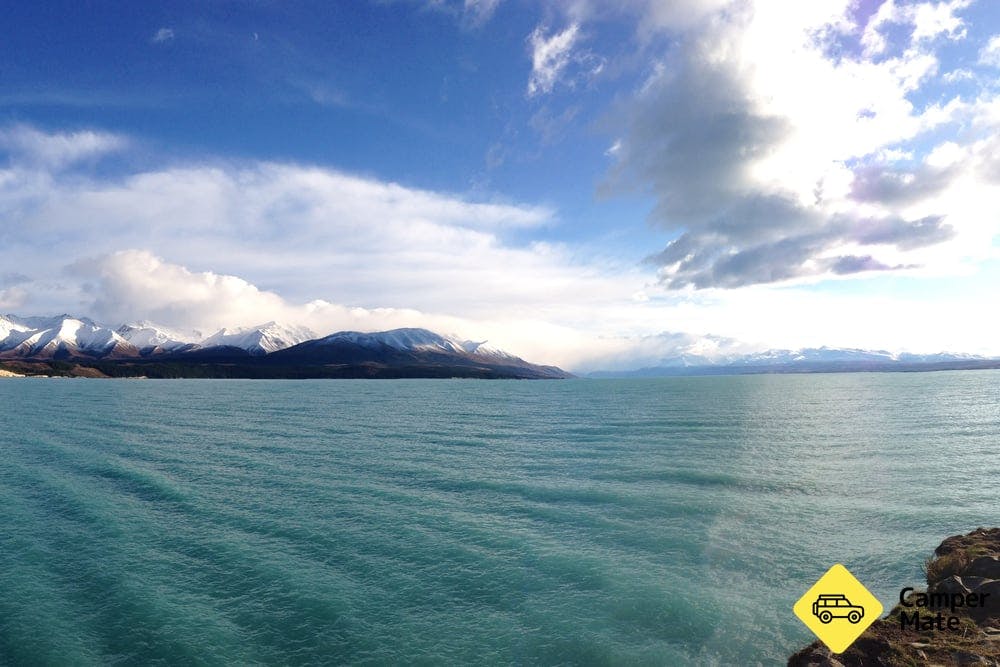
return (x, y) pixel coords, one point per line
(9, 324)
(67, 336)
(152, 338)
(60, 336)
(413, 339)
(410, 353)
(816, 355)
(268, 350)
(259, 340)
(831, 355)
(817, 359)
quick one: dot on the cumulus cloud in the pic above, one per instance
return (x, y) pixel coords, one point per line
(130, 285)
(926, 20)
(236, 244)
(771, 161)
(358, 237)
(990, 54)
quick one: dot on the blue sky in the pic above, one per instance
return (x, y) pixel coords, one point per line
(577, 181)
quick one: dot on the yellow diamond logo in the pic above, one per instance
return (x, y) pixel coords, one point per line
(838, 608)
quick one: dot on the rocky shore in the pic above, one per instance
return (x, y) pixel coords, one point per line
(963, 567)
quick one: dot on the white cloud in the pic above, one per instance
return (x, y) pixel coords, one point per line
(479, 12)
(12, 298)
(933, 19)
(791, 165)
(550, 54)
(990, 54)
(130, 285)
(767, 157)
(956, 75)
(677, 15)
(163, 35)
(56, 150)
(204, 246)
(929, 20)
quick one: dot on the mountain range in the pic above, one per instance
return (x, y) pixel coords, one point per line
(805, 360)
(79, 346)
(44, 344)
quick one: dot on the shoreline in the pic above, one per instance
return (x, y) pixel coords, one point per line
(966, 565)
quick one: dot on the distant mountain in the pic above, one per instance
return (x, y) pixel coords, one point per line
(60, 337)
(806, 360)
(408, 341)
(413, 351)
(152, 338)
(267, 350)
(275, 350)
(260, 340)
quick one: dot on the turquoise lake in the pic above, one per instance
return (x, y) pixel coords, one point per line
(588, 522)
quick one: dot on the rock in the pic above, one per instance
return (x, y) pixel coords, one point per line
(980, 537)
(972, 583)
(992, 603)
(984, 566)
(814, 656)
(972, 565)
(964, 658)
(951, 585)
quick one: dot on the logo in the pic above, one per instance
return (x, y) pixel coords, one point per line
(838, 608)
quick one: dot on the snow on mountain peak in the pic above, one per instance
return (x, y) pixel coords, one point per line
(416, 339)
(262, 339)
(54, 336)
(146, 335)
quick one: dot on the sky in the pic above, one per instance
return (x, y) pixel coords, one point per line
(591, 184)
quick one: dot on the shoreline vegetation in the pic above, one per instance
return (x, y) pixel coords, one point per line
(262, 368)
(255, 369)
(926, 627)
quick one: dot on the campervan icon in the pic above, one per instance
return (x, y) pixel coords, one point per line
(828, 607)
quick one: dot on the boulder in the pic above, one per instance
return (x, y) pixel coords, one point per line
(992, 603)
(951, 585)
(814, 656)
(972, 583)
(984, 566)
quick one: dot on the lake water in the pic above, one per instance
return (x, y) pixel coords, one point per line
(664, 522)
